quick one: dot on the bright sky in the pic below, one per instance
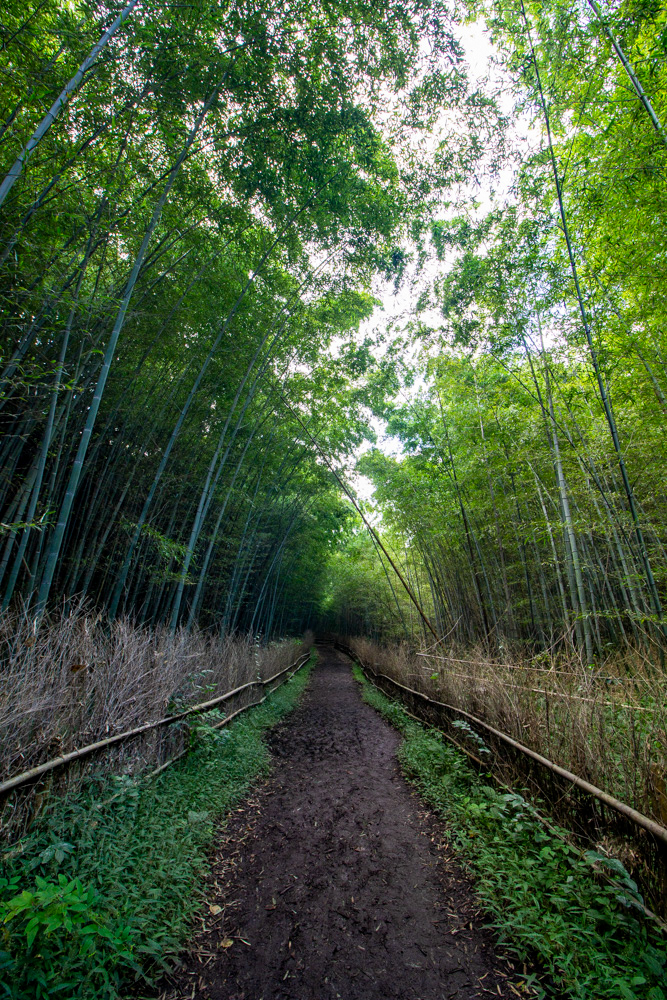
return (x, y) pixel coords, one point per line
(485, 73)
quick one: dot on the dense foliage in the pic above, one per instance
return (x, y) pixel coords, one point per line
(529, 496)
(191, 238)
(188, 238)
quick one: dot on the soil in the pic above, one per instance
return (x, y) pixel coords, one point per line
(335, 881)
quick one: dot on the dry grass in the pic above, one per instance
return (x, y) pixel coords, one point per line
(609, 725)
(78, 678)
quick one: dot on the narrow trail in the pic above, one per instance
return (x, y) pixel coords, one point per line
(334, 881)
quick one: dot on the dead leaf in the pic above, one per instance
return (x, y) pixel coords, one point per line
(214, 909)
(76, 667)
(226, 943)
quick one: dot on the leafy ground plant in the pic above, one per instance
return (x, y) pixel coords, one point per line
(104, 890)
(547, 907)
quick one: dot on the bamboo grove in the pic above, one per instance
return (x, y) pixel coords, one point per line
(195, 202)
(200, 204)
(529, 505)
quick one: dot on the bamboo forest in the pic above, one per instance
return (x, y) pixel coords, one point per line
(333, 526)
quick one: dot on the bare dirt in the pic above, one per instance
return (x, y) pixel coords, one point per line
(334, 881)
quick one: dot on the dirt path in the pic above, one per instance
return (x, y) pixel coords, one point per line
(334, 882)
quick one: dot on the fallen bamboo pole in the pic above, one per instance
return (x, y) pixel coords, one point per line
(36, 772)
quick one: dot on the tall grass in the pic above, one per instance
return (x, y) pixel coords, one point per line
(608, 725)
(78, 678)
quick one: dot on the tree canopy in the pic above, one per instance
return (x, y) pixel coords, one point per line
(201, 209)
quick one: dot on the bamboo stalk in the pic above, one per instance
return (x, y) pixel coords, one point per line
(60, 102)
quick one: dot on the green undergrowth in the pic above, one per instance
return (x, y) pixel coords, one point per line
(546, 906)
(103, 893)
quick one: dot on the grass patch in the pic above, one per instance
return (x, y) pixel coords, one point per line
(545, 903)
(102, 894)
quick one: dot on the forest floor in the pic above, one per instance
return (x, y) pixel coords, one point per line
(334, 881)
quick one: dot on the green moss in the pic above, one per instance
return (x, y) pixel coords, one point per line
(104, 892)
(545, 904)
